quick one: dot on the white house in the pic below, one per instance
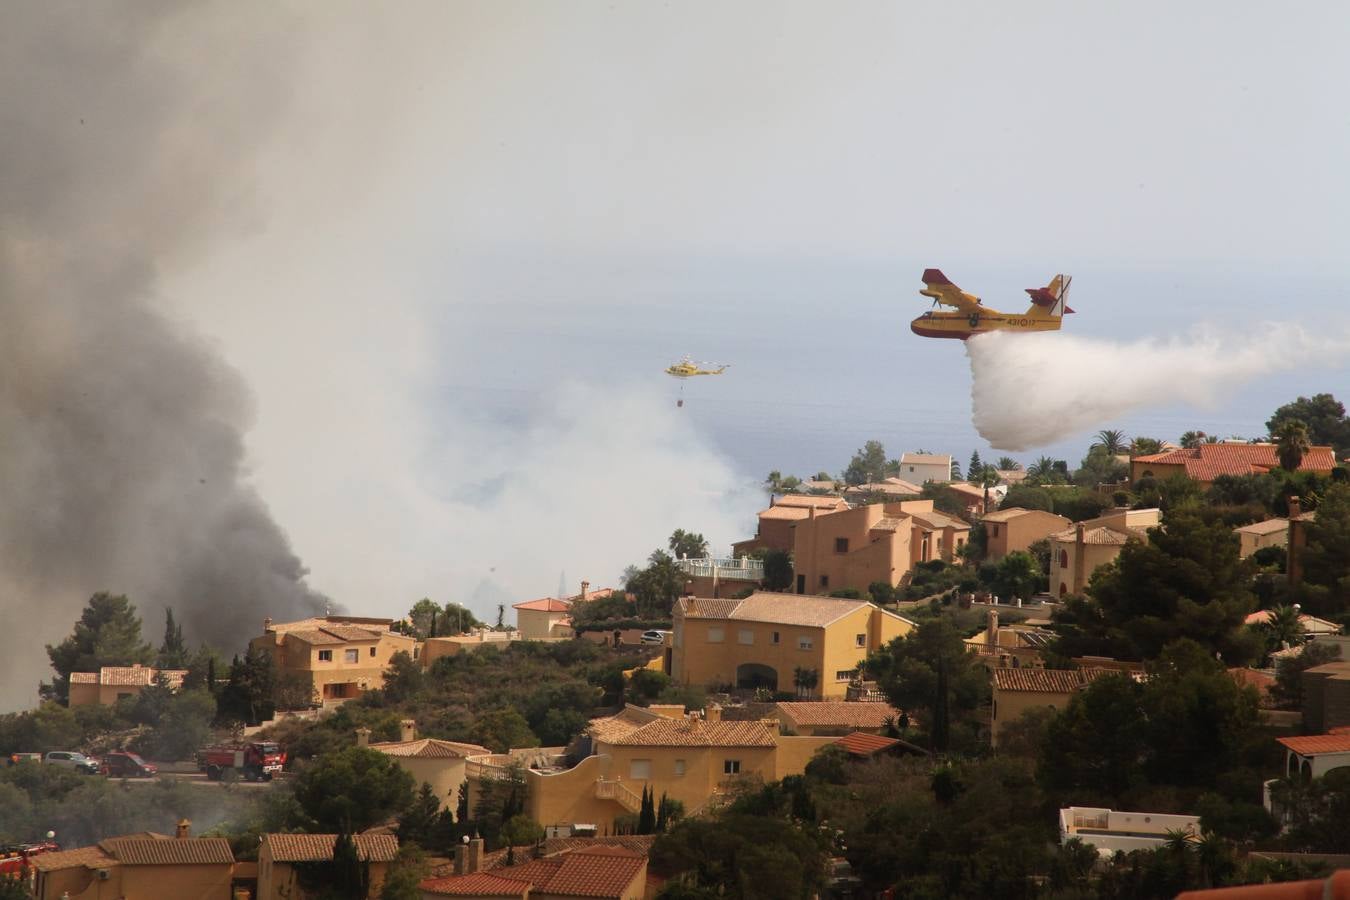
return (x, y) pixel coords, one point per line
(1109, 830)
(921, 467)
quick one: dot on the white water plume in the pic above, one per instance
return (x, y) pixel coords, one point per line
(1030, 390)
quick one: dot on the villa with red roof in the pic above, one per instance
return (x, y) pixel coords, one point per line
(1207, 462)
(551, 617)
(599, 872)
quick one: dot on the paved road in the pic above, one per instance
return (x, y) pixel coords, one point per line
(199, 778)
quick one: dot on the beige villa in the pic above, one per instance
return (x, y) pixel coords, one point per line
(341, 657)
(766, 638)
(1079, 551)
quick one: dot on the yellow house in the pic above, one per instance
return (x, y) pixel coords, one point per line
(775, 531)
(695, 759)
(1017, 691)
(542, 619)
(342, 657)
(277, 877)
(138, 867)
(1079, 551)
(1016, 645)
(112, 683)
(1270, 533)
(764, 639)
(428, 760)
(1014, 529)
(854, 548)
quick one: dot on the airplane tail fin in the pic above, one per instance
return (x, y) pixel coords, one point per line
(1049, 302)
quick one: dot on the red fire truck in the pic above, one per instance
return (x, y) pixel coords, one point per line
(14, 857)
(257, 761)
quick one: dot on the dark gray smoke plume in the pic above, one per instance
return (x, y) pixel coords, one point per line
(126, 133)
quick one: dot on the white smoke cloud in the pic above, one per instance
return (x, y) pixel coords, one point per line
(1030, 390)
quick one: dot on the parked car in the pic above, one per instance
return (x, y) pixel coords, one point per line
(122, 764)
(69, 759)
(16, 758)
(654, 636)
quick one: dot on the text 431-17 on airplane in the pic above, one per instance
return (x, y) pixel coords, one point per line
(1048, 308)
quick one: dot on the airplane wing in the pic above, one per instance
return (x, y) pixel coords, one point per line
(941, 289)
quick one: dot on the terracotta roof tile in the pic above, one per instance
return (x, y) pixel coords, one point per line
(771, 608)
(479, 884)
(786, 513)
(1099, 536)
(1209, 461)
(1044, 681)
(319, 847)
(941, 520)
(601, 872)
(837, 713)
(697, 733)
(314, 636)
(546, 604)
(626, 721)
(352, 632)
(92, 857)
(429, 748)
(1311, 745)
(1269, 526)
(860, 743)
(806, 501)
(84, 678)
(172, 852)
(138, 676)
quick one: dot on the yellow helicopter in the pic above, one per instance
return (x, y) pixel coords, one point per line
(687, 368)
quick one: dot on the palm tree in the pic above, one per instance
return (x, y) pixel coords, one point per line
(1283, 628)
(1291, 440)
(1008, 464)
(1110, 440)
(1043, 467)
(1143, 446)
(1192, 439)
(773, 482)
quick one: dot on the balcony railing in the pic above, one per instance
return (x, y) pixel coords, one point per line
(733, 568)
(618, 792)
(480, 767)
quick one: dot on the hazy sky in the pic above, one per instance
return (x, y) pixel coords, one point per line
(470, 235)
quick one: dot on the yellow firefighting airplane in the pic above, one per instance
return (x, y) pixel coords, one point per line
(1047, 311)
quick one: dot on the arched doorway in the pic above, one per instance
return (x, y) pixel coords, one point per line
(755, 675)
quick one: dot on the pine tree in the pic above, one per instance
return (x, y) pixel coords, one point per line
(975, 466)
(351, 877)
(173, 652)
(647, 813)
(431, 632)
(107, 634)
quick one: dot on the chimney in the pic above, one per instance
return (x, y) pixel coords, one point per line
(713, 713)
(585, 591)
(991, 628)
(407, 730)
(472, 855)
(1079, 552)
(267, 624)
(183, 830)
(363, 737)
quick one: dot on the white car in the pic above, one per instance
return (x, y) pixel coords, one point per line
(654, 636)
(68, 759)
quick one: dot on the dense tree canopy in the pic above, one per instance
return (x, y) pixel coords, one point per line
(1326, 557)
(1323, 416)
(353, 789)
(107, 634)
(930, 674)
(1185, 580)
(867, 465)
